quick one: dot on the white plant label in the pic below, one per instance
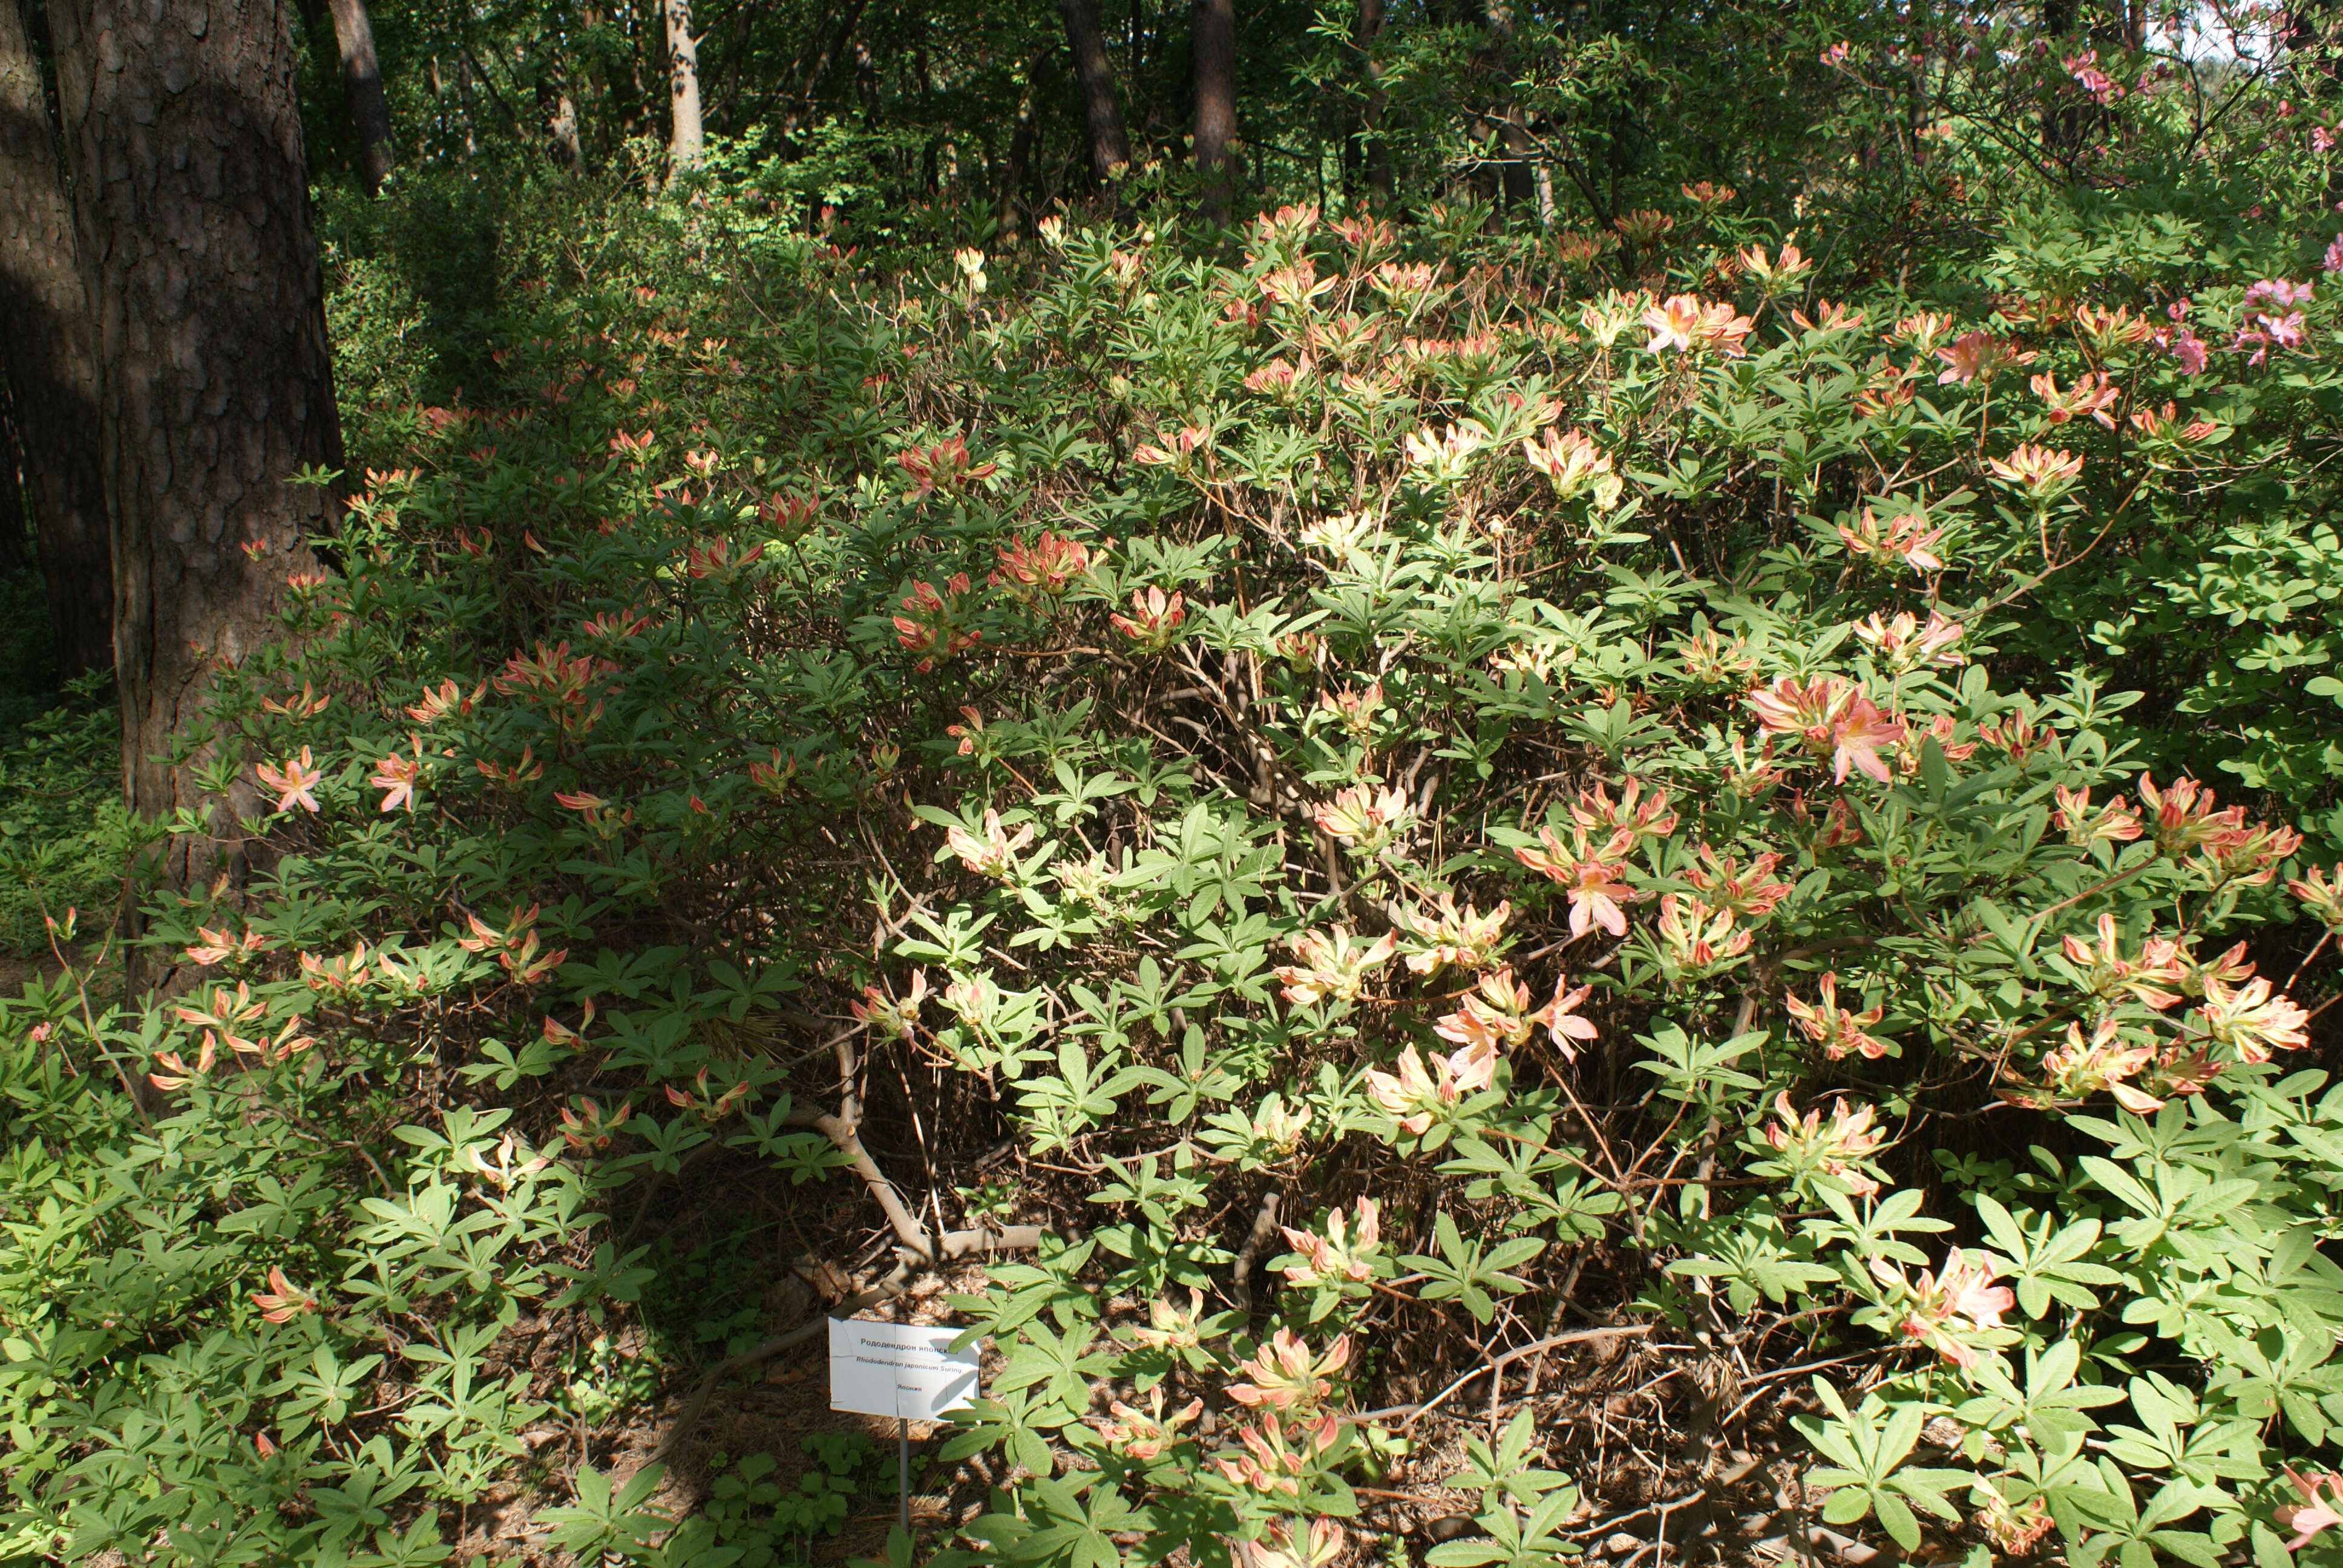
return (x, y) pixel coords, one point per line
(902, 1370)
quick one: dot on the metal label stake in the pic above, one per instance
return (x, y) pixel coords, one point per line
(903, 1472)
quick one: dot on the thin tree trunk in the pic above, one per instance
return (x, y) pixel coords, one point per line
(15, 513)
(46, 355)
(1109, 145)
(1364, 33)
(1008, 209)
(1514, 168)
(183, 132)
(1213, 45)
(809, 81)
(687, 140)
(464, 102)
(557, 112)
(362, 86)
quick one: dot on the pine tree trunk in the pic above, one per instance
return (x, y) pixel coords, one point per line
(192, 209)
(1109, 147)
(47, 353)
(362, 86)
(687, 140)
(1214, 42)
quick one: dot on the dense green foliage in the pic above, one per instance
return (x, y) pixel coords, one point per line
(1472, 814)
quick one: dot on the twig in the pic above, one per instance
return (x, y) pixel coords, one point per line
(1264, 1224)
(1415, 1413)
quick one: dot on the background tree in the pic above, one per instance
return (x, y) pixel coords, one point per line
(687, 139)
(214, 383)
(362, 87)
(1214, 43)
(46, 355)
(1109, 145)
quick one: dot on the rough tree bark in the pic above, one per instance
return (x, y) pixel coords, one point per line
(1109, 145)
(1214, 45)
(46, 352)
(687, 139)
(362, 86)
(183, 135)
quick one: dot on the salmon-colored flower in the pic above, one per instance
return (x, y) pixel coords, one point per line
(216, 946)
(890, 1016)
(2109, 973)
(992, 854)
(1497, 1011)
(397, 776)
(1421, 1091)
(2321, 1506)
(1590, 876)
(1464, 937)
(1725, 886)
(1345, 1253)
(295, 782)
(1904, 644)
(1363, 818)
(1979, 355)
(1837, 1029)
(283, 1300)
(2042, 473)
(1833, 1149)
(2115, 822)
(2084, 1067)
(1561, 1017)
(2251, 1021)
(1960, 1300)
(1287, 1376)
(1334, 967)
(1904, 538)
(1695, 936)
(1154, 620)
(1148, 1434)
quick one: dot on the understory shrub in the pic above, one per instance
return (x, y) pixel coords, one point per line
(1431, 820)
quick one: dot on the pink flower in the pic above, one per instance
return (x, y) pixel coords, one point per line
(1561, 1017)
(995, 853)
(2187, 348)
(1673, 324)
(1595, 894)
(1835, 1029)
(398, 775)
(1154, 620)
(1961, 1300)
(1591, 875)
(2042, 472)
(1907, 539)
(1857, 737)
(2334, 254)
(1418, 1092)
(1975, 355)
(295, 782)
(2322, 1498)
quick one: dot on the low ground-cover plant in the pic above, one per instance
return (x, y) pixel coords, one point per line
(1449, 835)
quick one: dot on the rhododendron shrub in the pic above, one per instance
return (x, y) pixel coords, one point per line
(1463, 833)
